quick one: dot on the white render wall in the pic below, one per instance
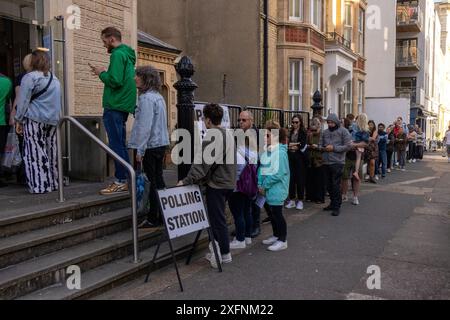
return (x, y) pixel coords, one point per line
(387, 110)
(380, 49)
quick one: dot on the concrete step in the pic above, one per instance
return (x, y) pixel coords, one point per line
(47, 270)
(29, 245)
(106, 277)
(43, 215)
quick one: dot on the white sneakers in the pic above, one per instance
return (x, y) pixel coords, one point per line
(270, 241)
(235, 244)
(355, 201)
(278, 246)
(291, 205)
(226, 258)
(344, 198)
(389, 170)
(275, 245)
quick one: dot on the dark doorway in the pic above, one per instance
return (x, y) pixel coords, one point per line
(14, 46)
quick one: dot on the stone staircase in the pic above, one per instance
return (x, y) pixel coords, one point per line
(40, 239)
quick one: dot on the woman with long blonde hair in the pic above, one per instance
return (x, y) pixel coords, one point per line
(360, 135)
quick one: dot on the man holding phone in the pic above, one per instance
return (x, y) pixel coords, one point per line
(119, 100)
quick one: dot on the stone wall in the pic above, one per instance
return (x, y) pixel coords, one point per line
(87, 47)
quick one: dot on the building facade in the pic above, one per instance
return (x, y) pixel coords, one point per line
(345, 69)
(27, 24)
(299, 58)
(382, 103)
(443, 11)
(162, 56)
(229, 57)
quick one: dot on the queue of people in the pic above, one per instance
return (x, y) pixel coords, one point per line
(296, 166)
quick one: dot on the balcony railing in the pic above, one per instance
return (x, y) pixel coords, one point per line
(408, 57)
(409, 17)
(407, 92)
(339, 39)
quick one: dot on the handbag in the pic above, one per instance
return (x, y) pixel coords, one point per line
(142, 192)
(11, 156)
(247, 183)
(40, 93)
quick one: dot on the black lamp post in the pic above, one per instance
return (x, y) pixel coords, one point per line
(317, 106)
(185, 88)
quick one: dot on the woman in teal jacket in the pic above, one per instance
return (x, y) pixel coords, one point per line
(273, 183)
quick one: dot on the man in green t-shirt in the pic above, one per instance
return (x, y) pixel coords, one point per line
(5, 100)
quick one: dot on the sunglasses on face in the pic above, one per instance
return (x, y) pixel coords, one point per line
(243, 120)
(295, 122)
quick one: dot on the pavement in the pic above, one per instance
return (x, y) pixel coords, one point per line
(402, 227)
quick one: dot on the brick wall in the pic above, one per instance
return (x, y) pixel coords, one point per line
(88, 48)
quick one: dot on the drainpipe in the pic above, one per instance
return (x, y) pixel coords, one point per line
(266, 54)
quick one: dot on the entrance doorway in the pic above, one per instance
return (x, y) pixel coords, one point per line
(15, 45)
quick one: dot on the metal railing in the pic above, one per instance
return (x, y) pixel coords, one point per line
(116, 157)
(408, 14)
(408, 56)
(339, 39)
(262, 115)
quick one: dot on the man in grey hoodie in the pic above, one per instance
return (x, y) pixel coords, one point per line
(335, 143)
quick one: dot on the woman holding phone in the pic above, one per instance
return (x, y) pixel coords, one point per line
(297, 163)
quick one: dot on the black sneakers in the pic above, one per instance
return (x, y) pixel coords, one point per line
(336, 213)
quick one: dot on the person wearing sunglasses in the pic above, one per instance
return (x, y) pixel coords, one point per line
(297, 163)
(246, 123)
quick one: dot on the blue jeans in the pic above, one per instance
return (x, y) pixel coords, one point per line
(241, 208)
(382, 160)
(402, 159)
(115, 125)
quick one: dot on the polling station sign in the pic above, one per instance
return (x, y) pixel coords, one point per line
(226, 121)
(184, 211)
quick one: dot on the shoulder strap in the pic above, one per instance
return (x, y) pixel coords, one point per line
(40, 93)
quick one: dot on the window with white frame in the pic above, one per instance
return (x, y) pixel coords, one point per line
(348, 98)
(295, 84)
(360, 96)
(316, 78)
(348, 23)
(361, 31)
(316, 13)
(296, 10)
